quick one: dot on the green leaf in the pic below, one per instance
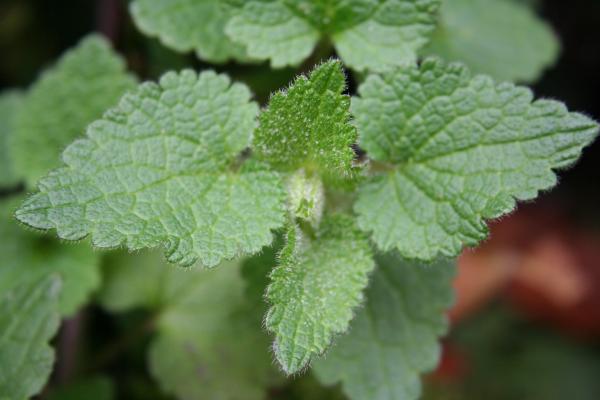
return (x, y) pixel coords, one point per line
(208, 342)
(66, 98)
(503, 38)
(10, 102)
(391, 36)
(315, 288)
(158, 169)
(271, 30)
(307, 126)
(224, 343)
(27, 255)
(458, 150)
(28, 320)
(186, 25)
(31, 302)
(393, 339)
(367, 34)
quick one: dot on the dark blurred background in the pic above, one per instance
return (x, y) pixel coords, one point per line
(527, 321)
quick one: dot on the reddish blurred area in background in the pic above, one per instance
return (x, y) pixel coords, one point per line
(542, 265)
(539, 261)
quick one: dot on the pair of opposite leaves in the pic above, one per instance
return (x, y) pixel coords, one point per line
(162, 168)
(503, 38)
(367, 34)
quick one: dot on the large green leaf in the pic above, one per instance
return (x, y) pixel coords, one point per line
(315, 288)
(65, 99)
(456, 150)
(160, 169)
(394, 337)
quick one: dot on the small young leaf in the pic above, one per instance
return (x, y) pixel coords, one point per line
(393, 339)
(157, 169)
(10, 102)
(306, 197)
(28, 255)
(28, 320)
(315, 288)
(502, 38)
(78, 89)
(368, 34)
(308, 126)
(186, 25)
(458, 150)
(209, 343)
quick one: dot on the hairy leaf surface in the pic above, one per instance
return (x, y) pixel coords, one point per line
(307, 126)
(186, 25)
(28, 320)
(208, 342)
(67, 97)
(368, 34)
(10, 102)
(458, 150)
(315, 288)
(158, 169)
(394, 337)
(502, 38)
